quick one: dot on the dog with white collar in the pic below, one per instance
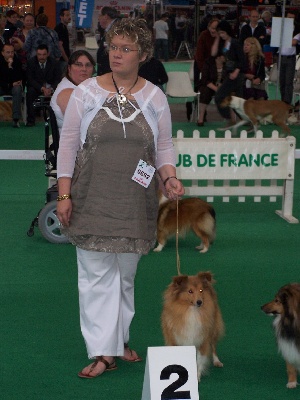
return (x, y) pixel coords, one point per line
(256, 111)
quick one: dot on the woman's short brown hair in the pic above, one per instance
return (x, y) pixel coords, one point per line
(137, 31)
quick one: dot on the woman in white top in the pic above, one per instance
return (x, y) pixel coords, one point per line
(81, 66)
(116, 134)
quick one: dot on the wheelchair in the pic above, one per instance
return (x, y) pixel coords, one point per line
(46, 219)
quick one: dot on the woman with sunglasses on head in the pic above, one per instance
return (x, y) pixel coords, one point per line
(115, 137)
(81, 66)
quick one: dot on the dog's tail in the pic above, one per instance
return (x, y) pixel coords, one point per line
(209, 225)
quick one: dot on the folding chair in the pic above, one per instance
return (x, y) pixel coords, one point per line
(179, 86)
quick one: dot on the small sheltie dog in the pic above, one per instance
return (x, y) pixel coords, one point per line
(286, 309)
(193, 213)
(191, 317)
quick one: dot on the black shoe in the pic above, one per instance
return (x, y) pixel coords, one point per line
(30, 124)
(16, 123)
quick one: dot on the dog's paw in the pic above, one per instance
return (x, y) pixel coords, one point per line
(291, 385)
(217, 362)
(204, 250)
(158, 248)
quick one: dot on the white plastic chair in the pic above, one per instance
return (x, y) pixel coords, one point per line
(179, 86)
(91, 43)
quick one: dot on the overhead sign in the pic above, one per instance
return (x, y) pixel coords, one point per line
(84, 10)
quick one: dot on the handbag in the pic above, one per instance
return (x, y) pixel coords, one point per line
(261, 86)
(273, 73)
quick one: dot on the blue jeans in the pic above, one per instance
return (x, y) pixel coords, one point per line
(161, 45)
(16, 93)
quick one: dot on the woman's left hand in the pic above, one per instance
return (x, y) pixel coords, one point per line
(174, 188)
(233, 75)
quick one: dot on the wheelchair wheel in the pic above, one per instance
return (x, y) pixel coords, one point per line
(49, 224)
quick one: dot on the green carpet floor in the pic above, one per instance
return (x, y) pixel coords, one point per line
(41, 348)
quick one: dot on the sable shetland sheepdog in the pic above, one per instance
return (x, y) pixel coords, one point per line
(191, 317)
(193, 213)
(286, 308)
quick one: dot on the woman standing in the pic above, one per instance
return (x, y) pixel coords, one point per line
(18, 39)
(233, 78)
(81, 66)
(116, 131)
(255, 74)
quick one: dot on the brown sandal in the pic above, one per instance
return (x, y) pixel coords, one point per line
(108, 367)
(137, 359)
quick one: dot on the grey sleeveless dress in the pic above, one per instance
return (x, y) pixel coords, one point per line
(111, 212)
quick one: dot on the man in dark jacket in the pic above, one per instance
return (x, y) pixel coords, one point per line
(107, 17)
(11, 80)
(43, 75)
(63, 37)
(253, 28)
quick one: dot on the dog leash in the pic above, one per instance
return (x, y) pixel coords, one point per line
(177, 235)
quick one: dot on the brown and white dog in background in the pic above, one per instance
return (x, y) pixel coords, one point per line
(193, 214)
(5, 110)
(191, 317)
(286, 309)
(256, 111)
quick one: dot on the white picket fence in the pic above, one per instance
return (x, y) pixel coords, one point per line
(280, 178)
(239, 167)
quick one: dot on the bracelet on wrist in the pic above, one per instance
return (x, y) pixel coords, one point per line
(169, 177)
(63, 197)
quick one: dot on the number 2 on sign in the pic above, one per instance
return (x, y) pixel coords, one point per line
(169, 392)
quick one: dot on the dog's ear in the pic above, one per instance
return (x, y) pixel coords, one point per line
(206, 277)
(179, 280)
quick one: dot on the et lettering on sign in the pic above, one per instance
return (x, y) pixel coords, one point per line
(82, 11)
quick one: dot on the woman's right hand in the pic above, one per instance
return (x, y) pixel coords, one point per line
(64, 211)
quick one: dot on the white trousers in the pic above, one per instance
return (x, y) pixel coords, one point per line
(106, 300)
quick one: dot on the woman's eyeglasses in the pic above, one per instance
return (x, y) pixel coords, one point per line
(80, 65)
(123, 49)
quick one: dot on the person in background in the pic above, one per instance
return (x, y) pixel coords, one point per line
(11, 80)
(18, 40)
(161, 34)
(266, 21)
(2, 30)
(255, 73)
(288, 67)
(81, 66)
(43, 75)
(107, 17)
(42, 35)
(180, 25)
(11, 25)
(203, 52)
(253, 28)
(63, 37)
(114, 124)
(211, 80)
(154, 71)
(233, 77)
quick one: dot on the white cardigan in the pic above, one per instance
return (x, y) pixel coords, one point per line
(87, 99)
